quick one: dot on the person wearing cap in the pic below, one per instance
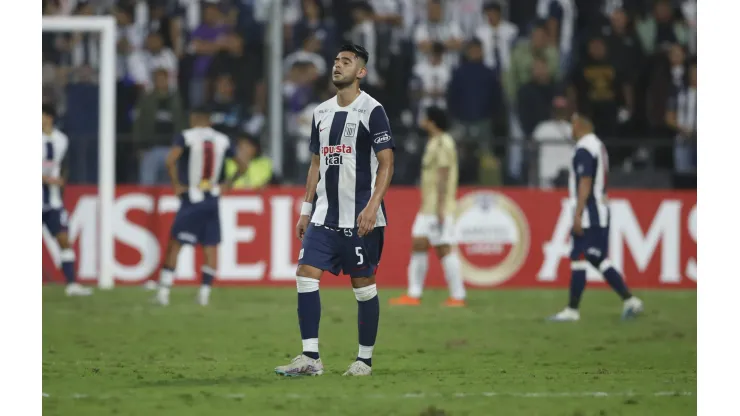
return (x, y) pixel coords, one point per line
(53, 215)
(259, 168)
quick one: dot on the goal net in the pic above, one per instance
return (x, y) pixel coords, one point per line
(100, 78)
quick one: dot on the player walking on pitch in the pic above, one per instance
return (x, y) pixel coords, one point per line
(587, 185)
(195, 166)
(434, 224)
(53, 215)
(351, 170)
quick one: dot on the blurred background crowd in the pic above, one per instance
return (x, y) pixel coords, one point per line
(509, 72)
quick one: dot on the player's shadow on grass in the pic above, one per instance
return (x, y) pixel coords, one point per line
(201, 382)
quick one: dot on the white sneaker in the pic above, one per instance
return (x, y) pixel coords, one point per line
(301, 366)
(162, 297)
(566, 315)
(358, 368)
(632, 307)
(76, 289)
(203, 295)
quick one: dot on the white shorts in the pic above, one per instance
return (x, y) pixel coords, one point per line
(427, 226)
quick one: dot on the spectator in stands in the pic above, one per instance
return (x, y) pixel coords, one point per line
(155, 55)
(555, 145)
(497, 36)
(535, 97)
(559, 17)
(472, 97)
(660, 30)
(206, 40)
(467, 15)
(163, 19)
(245, 69)
(130, 36)
(668, 76)
(522, 60)
(599, 88)
(159, 116)
(259, 170)
(363, 33)
(430, 80)
(227, 112)
(310, 52)
(312, 23)
(681, 117)
(436, 29)
(624, 46)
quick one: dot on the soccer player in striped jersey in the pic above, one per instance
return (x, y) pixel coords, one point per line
(195, 166)
(587, 185)
(53, 215)
(351, 170)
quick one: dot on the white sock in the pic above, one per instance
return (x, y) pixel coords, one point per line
(166, 277)
(417, 273)
(205, 290)
(311, 345)
(365, 353)
(453, 275)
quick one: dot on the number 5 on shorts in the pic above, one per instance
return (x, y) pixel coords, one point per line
(359, 255)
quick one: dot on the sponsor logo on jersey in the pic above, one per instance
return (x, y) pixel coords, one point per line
(382, 137)
(333, 154)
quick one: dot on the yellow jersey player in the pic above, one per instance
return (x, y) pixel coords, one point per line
(435, 225)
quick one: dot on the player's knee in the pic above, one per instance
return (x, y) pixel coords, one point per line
(63, 240)
(360, 282)
(420, 244)
(594, 256)
(304, 270)
(443, 250)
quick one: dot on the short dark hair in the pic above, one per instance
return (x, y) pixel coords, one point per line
(438, 116)
(49, 110)
(438, 48)
(201, 110)
(358, 50)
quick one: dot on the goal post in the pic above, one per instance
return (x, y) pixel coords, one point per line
(106, 26)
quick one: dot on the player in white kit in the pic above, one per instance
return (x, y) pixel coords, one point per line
(351, 170)
(587, 188)
(196, 166)
(53, 215)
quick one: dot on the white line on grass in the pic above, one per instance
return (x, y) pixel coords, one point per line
(420, 395)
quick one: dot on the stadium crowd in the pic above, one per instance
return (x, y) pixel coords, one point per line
(509, 73)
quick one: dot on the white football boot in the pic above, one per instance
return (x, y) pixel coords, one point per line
(301, 366)
(203, 295)
(76, 289)
(632, 307)
(358, 368)
(566, 315)
(163, 296)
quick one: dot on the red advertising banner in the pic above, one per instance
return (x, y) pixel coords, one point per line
(512, 238)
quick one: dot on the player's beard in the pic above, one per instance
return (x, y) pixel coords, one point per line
(344, 82)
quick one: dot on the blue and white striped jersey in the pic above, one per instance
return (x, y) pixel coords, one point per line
(348, 139)
(590, 159)
(200, 168)
(53, 153)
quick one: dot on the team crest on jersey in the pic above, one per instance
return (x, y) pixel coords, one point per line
(349, 129)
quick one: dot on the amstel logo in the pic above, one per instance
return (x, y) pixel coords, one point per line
(493, 237)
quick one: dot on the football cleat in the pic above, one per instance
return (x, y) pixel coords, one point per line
(358, 368)
(301, 366)
(632, 307)
(76, 289)
(566, 315)
(405, 300)
(455, 303)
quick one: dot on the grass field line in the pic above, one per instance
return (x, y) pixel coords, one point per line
(422, 395)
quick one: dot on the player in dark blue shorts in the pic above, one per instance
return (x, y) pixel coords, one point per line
(195, 165)
(351, 170)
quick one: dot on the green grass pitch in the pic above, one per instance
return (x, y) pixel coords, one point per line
(117, 354)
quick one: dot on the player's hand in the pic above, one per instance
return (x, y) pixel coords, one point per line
(440, 218)
(56, 181)
(366, 220)
(300, 228)
(227, 186)
(179, 190)
(577, 227)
